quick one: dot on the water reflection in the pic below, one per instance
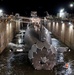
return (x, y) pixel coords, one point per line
(66, 66)
(65, 69)
(18, 63)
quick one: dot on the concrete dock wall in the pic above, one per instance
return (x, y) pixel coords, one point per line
(7, 31)
(64, 31)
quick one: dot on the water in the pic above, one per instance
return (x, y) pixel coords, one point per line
(18, 63)
(68, 59)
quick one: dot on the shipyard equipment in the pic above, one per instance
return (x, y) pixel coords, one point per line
(42, 54)
(38, 44)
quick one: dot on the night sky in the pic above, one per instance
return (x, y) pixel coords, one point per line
(24, 7)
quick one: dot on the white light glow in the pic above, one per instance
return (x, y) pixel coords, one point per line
(70, 29)
(10, 25)
(57, 26)
(35, 20)
(63, 28)
(69, 50)
(1, 11)
(70, 23)
(7, 27)
(53, 23)
(62, 10)
(19, 50)
(71, 5)
(7, 24)
(49, 23)
(19, 40)
(61, 13)
(53, 26)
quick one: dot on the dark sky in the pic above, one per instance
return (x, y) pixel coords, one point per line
(25, 6)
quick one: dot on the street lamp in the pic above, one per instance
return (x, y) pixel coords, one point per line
(61, 13)
(71, 5)
(1, 12)
(61, 10)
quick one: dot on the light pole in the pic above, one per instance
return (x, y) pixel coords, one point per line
(71, 6)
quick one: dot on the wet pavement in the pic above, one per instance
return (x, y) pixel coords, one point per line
(18, 63)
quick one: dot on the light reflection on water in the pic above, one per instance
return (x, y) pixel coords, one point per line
(14, 64)
(68, 59)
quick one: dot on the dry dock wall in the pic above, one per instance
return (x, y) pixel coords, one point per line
(7, 31)
(64, 31)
